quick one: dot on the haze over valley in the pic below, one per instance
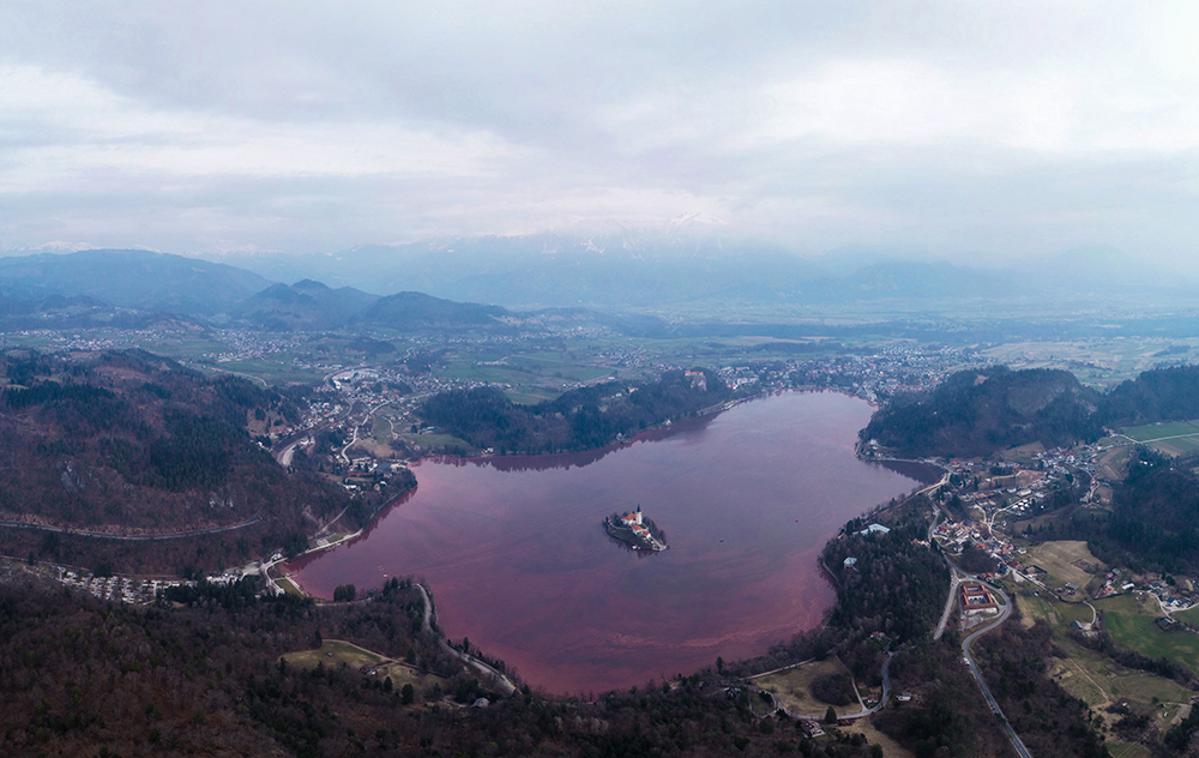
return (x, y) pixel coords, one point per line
(599, 379)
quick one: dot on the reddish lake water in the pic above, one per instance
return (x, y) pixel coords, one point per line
(517, 559)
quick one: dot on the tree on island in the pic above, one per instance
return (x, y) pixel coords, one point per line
(830, 716)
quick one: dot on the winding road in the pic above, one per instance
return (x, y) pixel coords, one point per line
(968, 657)
(956, 577)
(501, 680)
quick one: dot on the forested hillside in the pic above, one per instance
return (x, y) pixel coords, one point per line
(131, 445)
(1163, 394)
(1154, 521)
(583, 418)
(895, 586)
(978, 412)
(83, 677)
(303, 305)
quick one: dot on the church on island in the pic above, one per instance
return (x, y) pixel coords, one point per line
(635, 530)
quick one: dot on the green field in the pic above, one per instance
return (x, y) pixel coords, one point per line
(1097, 680)
(1173, 438)
(1148, 432)
(792, 687)
(276, 370)
(1059, 614)
(335, 653)
(290, 587)
(532, 375)
(382, 428)
(401, 673)
(1130, 621)
(1191, 616)
(435, 441)
(1120, 749)
(1179, 446)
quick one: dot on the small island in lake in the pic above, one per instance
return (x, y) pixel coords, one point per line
(636, 530)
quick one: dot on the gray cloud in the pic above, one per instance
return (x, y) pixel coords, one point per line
(1003, 129)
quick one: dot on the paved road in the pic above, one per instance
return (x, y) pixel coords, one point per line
(130, 537)
(957, 576)
(486, 669)
(967, 655)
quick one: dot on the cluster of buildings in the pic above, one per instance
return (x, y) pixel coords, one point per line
(118, 588)
(886, 371)
(955, 536)
(252, 344)
(989, 491)
(1115, 583)
(633, 521)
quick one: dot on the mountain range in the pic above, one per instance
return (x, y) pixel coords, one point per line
(135, 288)
(601, 279)
(686, 267)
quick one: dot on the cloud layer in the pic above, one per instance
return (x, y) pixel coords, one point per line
(1001, 129)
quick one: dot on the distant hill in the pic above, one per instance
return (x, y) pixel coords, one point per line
(127, 442)
(133, 288)
(415, 309)
(304, 305)
(581, 419)
(309, 305)
(1165, 394)
(131, 279)
(974, 413)
(75, 311)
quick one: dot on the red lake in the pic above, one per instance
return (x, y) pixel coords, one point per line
(518, 561)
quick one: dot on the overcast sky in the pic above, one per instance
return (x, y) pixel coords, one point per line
(951, 129)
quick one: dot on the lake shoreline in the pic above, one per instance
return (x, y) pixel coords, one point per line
(697, 427)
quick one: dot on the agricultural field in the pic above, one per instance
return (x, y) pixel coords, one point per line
(1060, 615)
(1113, 462)
(1173, 438)
(1100, 681)
(281, 369)
(1177, 447)
(1149, 432)
(793, 687)
(529, 377)
(1066, 561)
(335, 653)
(1103, 362)
(1131, 622)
